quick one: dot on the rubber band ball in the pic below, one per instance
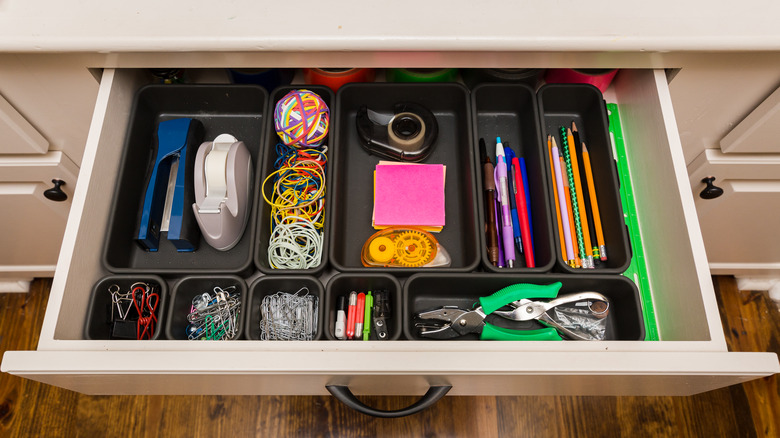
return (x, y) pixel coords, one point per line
(302, 118)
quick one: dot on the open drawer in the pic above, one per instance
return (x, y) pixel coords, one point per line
(691, 356)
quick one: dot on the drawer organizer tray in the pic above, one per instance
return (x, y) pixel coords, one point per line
(344, 283)
(509, 111)
(187, 288)
(99, 312)
(269, 285)
(559, 105)
(235, 109)
(353, 169)
(269, 156)
(429, 291)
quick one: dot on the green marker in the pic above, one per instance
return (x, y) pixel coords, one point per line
(367, 317)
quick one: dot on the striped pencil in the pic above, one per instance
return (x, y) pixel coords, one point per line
(574, 205)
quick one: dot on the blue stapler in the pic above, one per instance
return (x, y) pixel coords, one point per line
(176, 142)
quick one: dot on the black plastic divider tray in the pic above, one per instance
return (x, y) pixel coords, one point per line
(429, 291)
(343, 284)
(188, 288)
(268, 158)
(238, 110)
(99, 324)
(509, 111)
(353, 169)
(560, 105)
(270, 285)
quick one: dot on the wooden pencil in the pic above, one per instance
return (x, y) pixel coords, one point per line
(594, 204)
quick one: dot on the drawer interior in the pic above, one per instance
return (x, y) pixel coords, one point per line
(681, 290)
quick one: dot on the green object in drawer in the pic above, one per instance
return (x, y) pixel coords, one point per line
(637, 270)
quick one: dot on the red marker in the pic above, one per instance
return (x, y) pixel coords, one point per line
(351, 315)
(360, 310)
(522, 215)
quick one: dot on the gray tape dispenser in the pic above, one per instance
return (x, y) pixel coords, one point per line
(223, 186)
(408, 135)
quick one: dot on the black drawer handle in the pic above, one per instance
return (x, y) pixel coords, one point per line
(344, 395)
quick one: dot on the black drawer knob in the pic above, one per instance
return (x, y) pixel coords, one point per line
(711, 191)
(55, 193)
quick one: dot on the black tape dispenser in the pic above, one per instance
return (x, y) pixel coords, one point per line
(408, 135)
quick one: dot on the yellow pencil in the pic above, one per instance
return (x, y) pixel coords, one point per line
(594, 203)
(581, 204)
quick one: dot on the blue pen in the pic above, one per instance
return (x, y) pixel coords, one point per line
(510, 154)
(527, 197)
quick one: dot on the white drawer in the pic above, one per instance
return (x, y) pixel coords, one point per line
(738, 241)
(692, 356)
(32, 224)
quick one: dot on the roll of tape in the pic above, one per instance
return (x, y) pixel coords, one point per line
(600, 78)
(406, 131)
(422, 74)
(475, 76)
(268, 78)
(407, 135)
(334, 78)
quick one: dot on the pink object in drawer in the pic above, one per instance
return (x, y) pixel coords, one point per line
(600, 78)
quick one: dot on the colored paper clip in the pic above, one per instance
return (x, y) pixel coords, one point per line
(215, 317)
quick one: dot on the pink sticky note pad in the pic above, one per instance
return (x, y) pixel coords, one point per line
(409, 194)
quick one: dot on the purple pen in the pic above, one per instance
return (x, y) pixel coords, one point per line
(497, 208)
(502, 184)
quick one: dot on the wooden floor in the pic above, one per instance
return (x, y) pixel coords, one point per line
(751, 322)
